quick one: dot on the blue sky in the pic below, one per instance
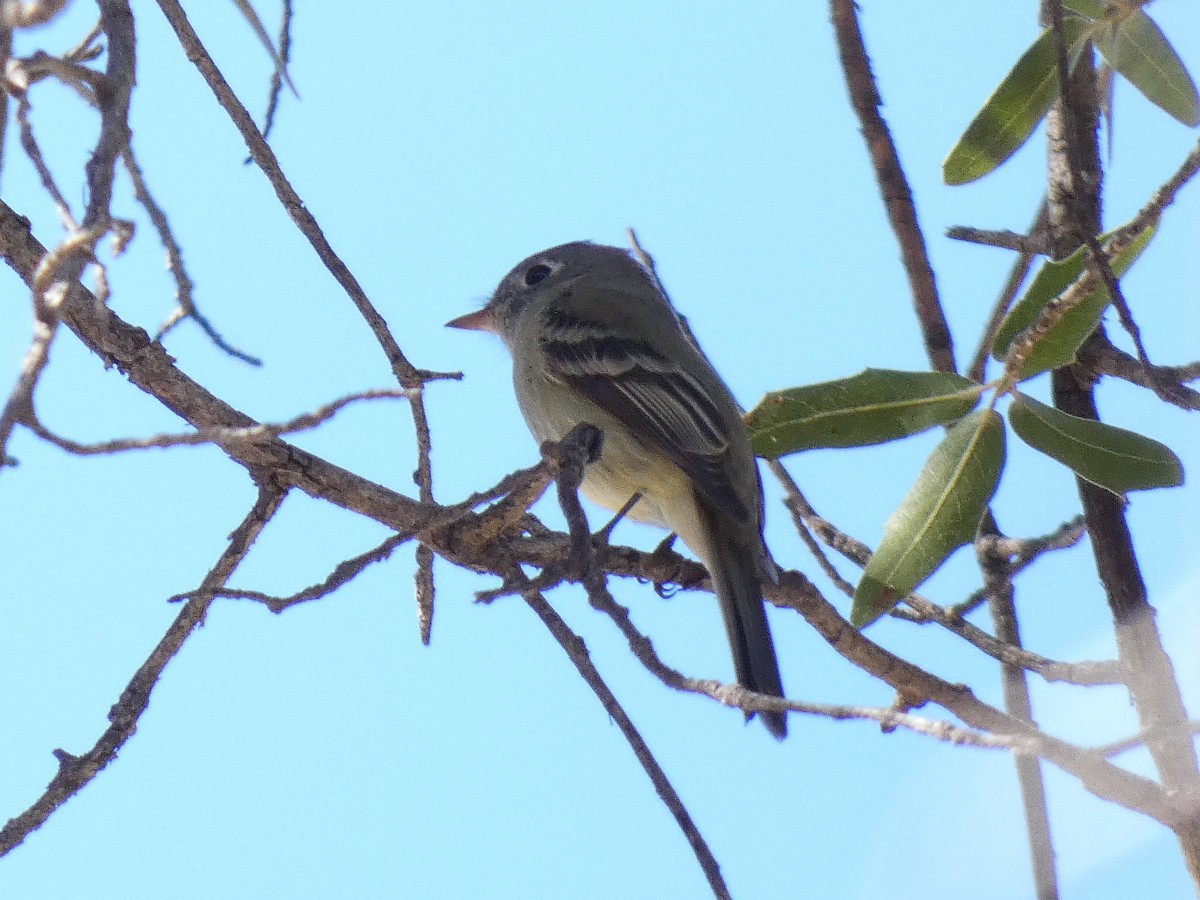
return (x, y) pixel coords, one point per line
(325, 752)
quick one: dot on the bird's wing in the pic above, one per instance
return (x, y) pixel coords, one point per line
(660, 401)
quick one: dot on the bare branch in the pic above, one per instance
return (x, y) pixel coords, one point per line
(345, 572)
(800, 510)
(285, 55)
(571, 454)
(32, 150)
(1026, 244)
(54, 273)
(893, 185)
(75, 772)
(1138, 740)
(576, 651)
(1099, 355)
(994, 563)
(1081, 673)
(183, 283)
(256, 25)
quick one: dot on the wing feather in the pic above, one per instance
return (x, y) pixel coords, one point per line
(659, 400)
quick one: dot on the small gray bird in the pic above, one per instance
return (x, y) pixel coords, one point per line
(593, 339)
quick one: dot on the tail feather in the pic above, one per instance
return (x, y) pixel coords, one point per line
(735, 568)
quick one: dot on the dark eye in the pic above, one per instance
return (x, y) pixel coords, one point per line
(536, 274)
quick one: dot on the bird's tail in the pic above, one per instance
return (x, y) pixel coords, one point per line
(736, 573)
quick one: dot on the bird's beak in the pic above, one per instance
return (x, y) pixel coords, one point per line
(480, 320)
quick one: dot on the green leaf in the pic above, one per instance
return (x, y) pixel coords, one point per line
(1014, 108)
(1092, 9)
(939, 515)
(1054, 277)
(1136, 47)
(872, 407)
(1062, 342)
(1113, 458)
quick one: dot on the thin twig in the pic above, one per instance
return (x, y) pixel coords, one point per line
(75, 772)
(264, 157)
(1138, 740)
(34, 152)
(1008, 293)
(994, 563)
(1165, 195)
(345, 572)
(810, 540)
(1026, 244)
(260, 31)
(285, 56)
(1099, 355)
(1052, 313)
(57, 270)
(1087, 672)
(1023, 553)
(175, 265)
(572, 644)
(253, 433)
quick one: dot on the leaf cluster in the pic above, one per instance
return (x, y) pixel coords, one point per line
(945, 505)
(1044, 330)
(1132, 46)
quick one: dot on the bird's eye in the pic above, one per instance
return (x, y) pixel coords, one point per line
(536, 274)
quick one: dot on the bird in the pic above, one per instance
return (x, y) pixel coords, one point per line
(595, 339)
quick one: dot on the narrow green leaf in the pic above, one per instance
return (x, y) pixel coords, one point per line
(1014, 109)
(1054, 277)
(1062, 342)
(1136, 48)
(1113, 458)
(939, 515)
(872, 407)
